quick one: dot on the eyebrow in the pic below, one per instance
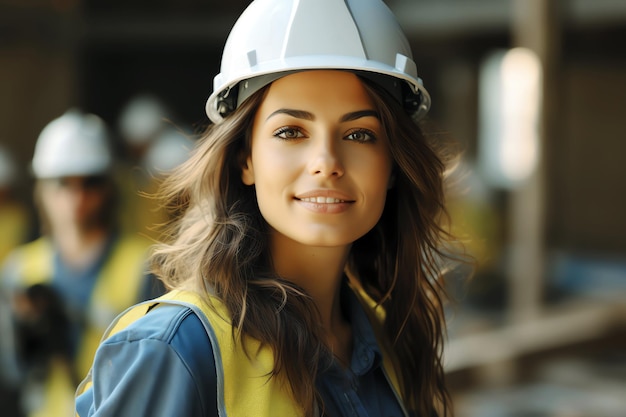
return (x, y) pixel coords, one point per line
(359, 114)
(302, 114)
(298, 114)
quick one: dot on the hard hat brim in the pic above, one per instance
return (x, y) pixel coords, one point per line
(279, 68)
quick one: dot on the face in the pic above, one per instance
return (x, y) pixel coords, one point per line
(319, 159)
(71, 202)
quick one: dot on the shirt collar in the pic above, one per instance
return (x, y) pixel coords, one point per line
(366, 353)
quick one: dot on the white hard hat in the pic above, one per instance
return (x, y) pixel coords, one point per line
(275, 37)
(170, 149)
(142, 118)
(73, 144)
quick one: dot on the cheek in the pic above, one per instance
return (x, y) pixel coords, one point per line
(377, 197)
(375, 181)
(274, 167)
(375, 171)
(52, 200)
(268, 176)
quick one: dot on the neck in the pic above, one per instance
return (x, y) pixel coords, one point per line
(319, 271)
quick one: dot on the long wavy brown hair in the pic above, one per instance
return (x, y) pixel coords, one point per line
(219, 245)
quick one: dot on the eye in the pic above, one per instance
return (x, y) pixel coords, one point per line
(288, 132)
(361, 136)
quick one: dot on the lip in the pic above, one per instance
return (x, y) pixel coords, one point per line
(324, 201)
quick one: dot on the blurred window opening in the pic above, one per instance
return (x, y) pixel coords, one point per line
(509, 109)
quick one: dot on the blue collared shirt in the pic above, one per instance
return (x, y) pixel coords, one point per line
(162, 365)
(361, 390)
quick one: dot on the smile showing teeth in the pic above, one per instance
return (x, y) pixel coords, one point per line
(322, 200)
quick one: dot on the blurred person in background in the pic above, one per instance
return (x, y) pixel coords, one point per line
(143, 123)
(471, 204)
(15, 230)
(169, 149)
(65, 287)
(14, 215)
(141, 120)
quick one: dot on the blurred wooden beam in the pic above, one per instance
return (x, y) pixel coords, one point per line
(577, 322)
(536, 25)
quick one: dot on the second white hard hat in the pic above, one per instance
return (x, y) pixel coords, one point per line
(275, 37)
(75, 144)
(170, 149)
(142, 119)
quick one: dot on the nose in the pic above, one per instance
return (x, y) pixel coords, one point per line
(326, 158)
(76, 197)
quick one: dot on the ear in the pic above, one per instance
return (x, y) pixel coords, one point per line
(247, 172)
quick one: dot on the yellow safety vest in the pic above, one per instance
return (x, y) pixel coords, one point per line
(117, 287)
(14, 226)
(247, 389)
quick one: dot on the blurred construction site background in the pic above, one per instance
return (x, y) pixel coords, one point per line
(534, 91)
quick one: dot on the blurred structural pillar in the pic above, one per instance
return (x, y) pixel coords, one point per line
(536, 26)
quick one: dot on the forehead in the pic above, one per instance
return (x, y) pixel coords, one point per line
(311, 88)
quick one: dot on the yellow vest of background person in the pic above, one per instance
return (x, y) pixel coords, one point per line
(114, 291)
(246, 389)
(14, 226)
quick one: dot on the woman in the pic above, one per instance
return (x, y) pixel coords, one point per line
(304, 263)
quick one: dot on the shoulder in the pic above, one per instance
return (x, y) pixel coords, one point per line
(174, 325)
(127, 256)
(39, 246)
(27, 264)
(131, 244)
(165, 355)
